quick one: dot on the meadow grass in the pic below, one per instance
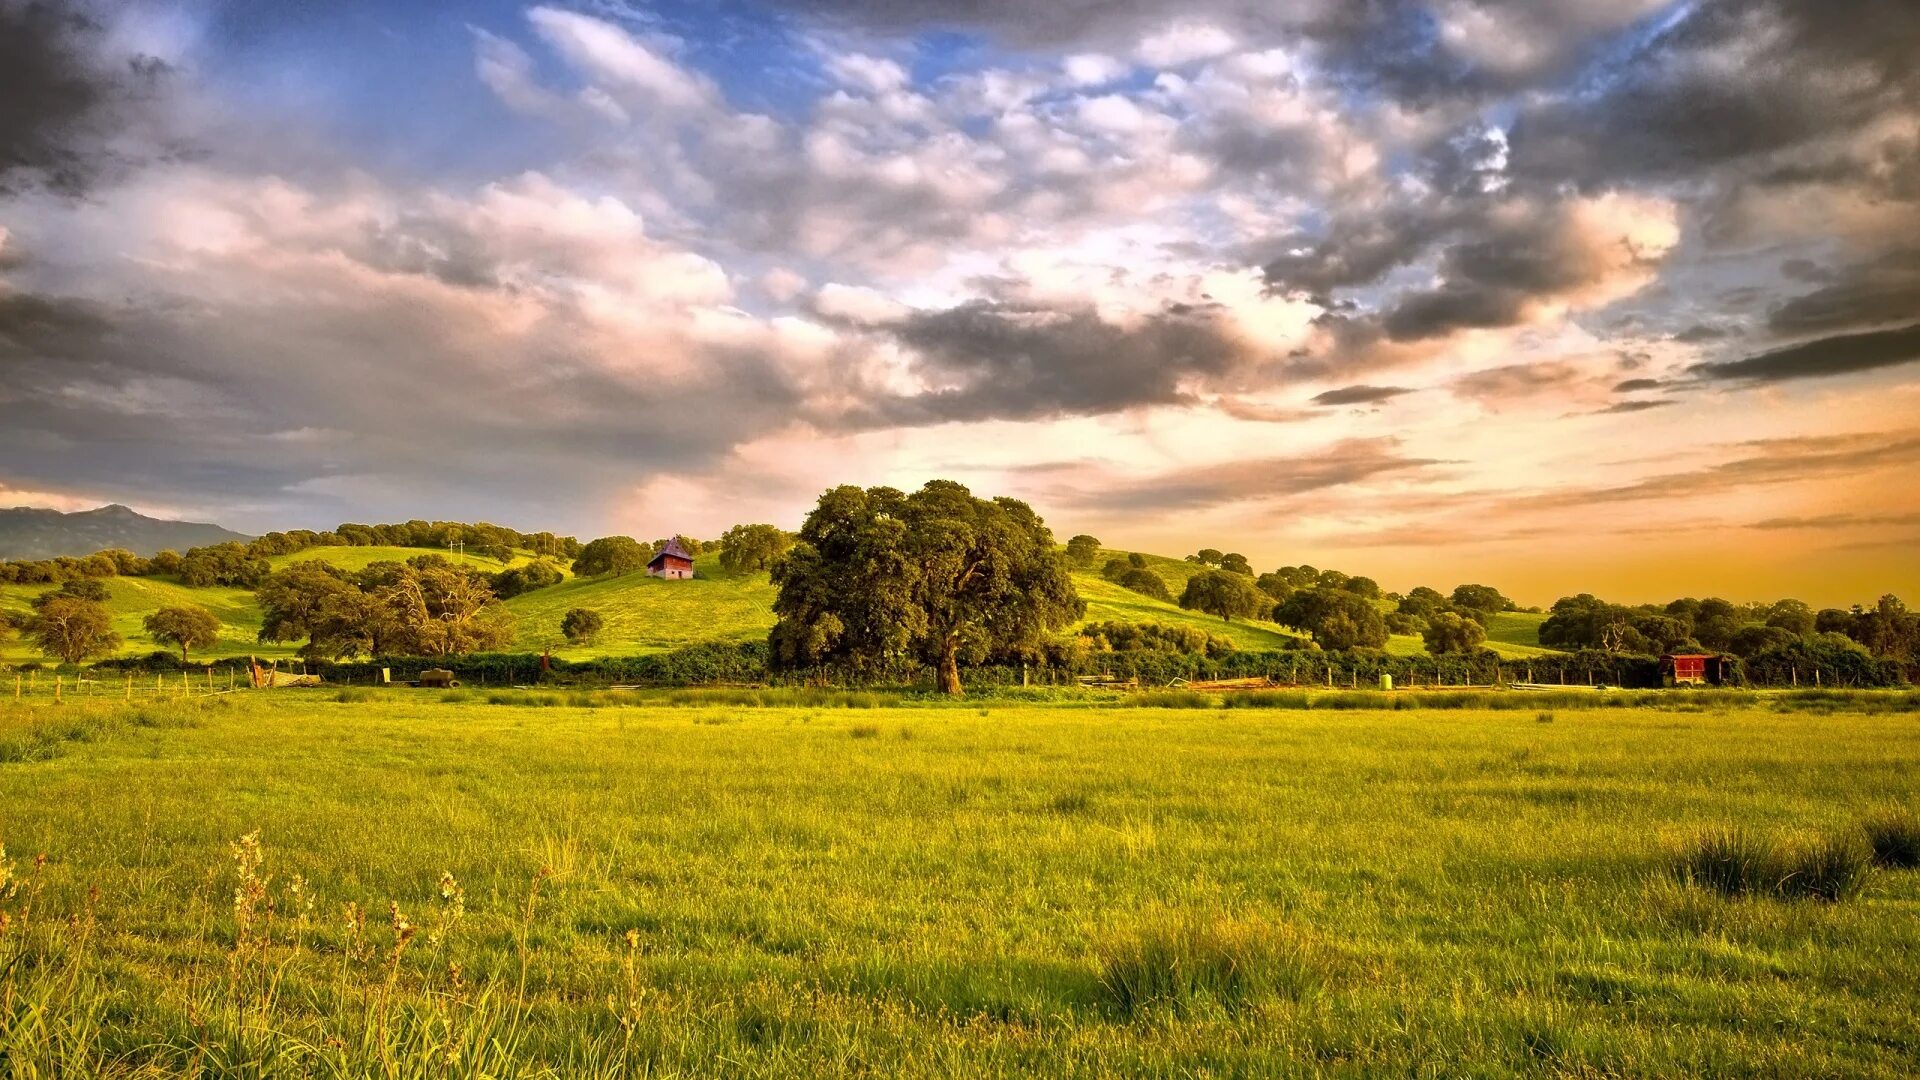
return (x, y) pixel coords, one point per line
(648, 615)
(419, 884)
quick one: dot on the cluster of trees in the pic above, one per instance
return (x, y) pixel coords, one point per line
(878, 577)
(753, 547)
(1230, 561)
(426, 606)
(1131, 572)
(1886, 630)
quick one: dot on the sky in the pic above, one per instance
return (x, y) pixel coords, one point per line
(1613, 296)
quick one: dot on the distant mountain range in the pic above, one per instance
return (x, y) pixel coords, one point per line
(30, 533)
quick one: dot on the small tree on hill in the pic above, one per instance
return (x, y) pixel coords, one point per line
(73, 629)
(1082, 550)
(1206, 557)
(611, 555)
(1146, 583)
(752, 547)
(582, 626)
(1223, 593)
(1451, 632)
(1117, 569)
(1483, 598)
(1235, 563)
(185, 627)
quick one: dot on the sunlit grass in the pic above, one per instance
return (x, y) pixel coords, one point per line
(755, 888)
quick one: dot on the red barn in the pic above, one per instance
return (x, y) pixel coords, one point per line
(673, 562)
(1692, 669)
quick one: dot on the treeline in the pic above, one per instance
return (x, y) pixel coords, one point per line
(1333, 609)
(244, 565)
(753, 664)
(1886, 630)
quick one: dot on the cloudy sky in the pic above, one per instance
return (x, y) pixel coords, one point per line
(1607, 295)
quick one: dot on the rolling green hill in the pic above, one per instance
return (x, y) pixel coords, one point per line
(132, 599)
(647, 615)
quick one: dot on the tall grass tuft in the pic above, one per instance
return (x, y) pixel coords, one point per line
(1736, 863)
(1894, 836)
(1185, 963)
(1830, 868)
(1173, 699)
(1731, 862)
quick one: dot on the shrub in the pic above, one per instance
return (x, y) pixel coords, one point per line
(1894, 836)
(1173, 699)
(1146, 583)
(864, 731)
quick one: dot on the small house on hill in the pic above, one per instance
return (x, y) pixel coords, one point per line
(673, 562)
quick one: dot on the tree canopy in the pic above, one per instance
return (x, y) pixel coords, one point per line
(752, 547)
(611, 555)
(1337, 619)
(72, 629)
(1451, 632)
(426, 606)
(582, 626)
(938, 577)
(185, 627)
(1082, 550)
(1223, 593)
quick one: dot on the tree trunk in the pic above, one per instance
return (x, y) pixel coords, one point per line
(950, 667)
(183, 656)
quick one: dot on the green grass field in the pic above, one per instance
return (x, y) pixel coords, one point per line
(713, 890)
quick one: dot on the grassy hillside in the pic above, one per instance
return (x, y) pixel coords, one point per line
(132, 599)
(646, 614)
(1516, 634)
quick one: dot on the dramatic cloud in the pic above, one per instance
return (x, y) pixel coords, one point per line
(987, 360)
(597, 263)
(1845, 354)
(63, 97)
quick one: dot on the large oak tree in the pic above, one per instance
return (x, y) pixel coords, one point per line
(939, 576)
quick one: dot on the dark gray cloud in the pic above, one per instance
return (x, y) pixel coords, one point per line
(61, 100)
(1672, 107)
(1842, 354)
(1022, 361)
(1620, 407)
(1882, 290)
(1634, 386)
(1350, 461)
(362, 405)
(1360, 395)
